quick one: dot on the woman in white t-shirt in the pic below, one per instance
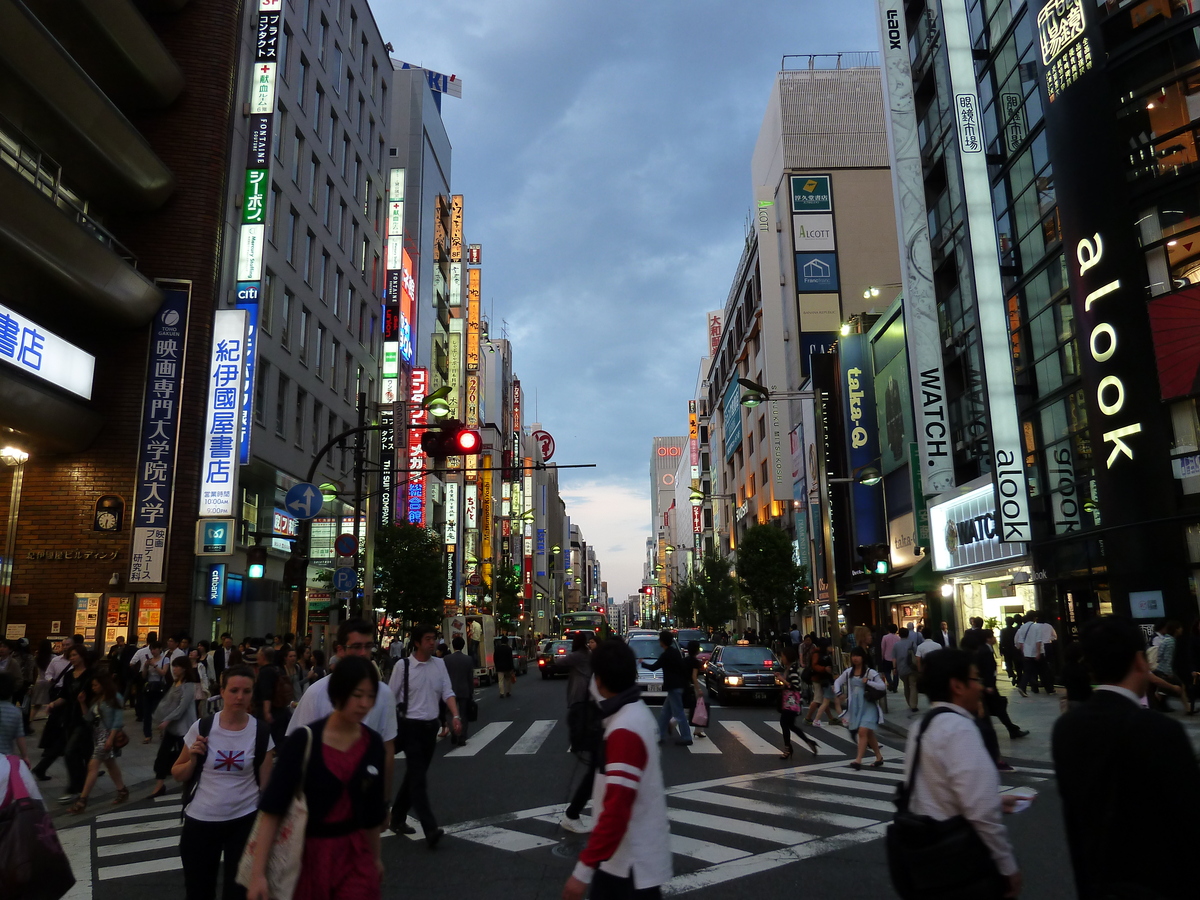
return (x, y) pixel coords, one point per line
(221, 812)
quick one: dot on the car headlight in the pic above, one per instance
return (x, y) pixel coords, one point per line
(733, 680)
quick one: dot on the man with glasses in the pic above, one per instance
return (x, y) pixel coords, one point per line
(355, 637)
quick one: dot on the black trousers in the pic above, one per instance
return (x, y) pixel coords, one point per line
(583, 793)
(787, 724)
(201, 845)
(168, 753)
(610, 887)
(420, 737)
(1036, 669)
(77, 753)
(997, 705)
(151, 694)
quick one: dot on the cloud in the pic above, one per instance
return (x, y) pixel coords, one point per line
(603, 150)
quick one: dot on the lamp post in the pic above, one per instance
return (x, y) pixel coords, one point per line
(15, 458)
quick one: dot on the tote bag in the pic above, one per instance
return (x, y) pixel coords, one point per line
(700, 715)
(33, 865)
(287, 852)
(793, 701)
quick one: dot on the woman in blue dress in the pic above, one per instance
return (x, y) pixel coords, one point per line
(861, 716)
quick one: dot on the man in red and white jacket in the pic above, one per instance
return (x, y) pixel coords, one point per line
(629, 853)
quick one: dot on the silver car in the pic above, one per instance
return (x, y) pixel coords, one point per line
(647, 649)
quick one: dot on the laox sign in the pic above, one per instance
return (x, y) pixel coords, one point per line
(1110, 392)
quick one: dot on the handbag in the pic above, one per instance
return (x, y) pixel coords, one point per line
(700, 716)
(793, 701)
(120, 739)
(33, 864)
(928, 858)
(287, 851)
(873, 694)
(472, 710)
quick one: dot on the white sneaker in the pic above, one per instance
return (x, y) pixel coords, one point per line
(576, 826)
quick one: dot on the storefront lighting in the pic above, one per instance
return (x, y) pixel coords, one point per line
(845, 329)
(947, 590)
(13, 456)
(1172, 243)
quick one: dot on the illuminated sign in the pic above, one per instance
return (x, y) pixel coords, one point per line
(455, 284)
(216, 584)
(284, 524)
(811, 232)
(32, 349)
(254, 198)
(391, 356)
(970, 132)
(811, 193)
(262, 93)
(250, 253)
(387, 464)
(474, 254)
(965, 532)
(473, 278)
(454, 372)
(451, 513)
(714, 333)
(471, 506)
(250, 307)
(226, 369)
(456, 228)
(417, 417)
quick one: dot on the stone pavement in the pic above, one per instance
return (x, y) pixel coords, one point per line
(1036, 713)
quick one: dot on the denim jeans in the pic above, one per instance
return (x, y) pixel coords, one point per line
(672, 708)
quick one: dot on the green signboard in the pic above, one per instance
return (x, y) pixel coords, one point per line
(254, 200)
(811, 193)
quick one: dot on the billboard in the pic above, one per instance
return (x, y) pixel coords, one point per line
(732, 416)
(862, 443)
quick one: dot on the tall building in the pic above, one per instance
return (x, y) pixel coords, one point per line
(1048, 149)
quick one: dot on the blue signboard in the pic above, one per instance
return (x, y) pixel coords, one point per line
(816, 273)
(812, 342)
(247, 299)
(304, 500)
(862, 436)
(344, 578)
(732, 411)
(155, 476)
(216, 584)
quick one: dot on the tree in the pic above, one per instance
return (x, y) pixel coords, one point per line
(687, 601)
(507, 591)
(718, 592)
(410, 579)
(769, 574)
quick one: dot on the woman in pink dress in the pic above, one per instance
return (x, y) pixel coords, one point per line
(344, 787)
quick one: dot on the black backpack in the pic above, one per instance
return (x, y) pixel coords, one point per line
(262, 734)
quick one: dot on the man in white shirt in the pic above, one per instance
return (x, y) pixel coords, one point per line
(355, 637)
(59, 664)
(419, 682)
(926, 647)
(957, 776)
(1032, 639)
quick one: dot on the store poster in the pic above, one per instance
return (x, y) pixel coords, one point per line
(116, 619)
(149, 617)
(87, 616)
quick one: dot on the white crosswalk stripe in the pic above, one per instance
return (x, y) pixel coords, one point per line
(533, 738)
(750, 739)
(480, 739)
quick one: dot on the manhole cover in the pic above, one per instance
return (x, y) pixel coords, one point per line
(568, 848)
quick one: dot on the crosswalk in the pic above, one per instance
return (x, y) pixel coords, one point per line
(759, 737)
(732, 827)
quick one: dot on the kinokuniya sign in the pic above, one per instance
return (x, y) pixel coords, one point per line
(964, 532)
(1106, 273)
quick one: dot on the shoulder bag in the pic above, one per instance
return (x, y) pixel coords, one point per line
(287, 852)
(937, 859)
(33, 864)
(872, 694)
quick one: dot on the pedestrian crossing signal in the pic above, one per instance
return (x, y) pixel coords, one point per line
(256, 562)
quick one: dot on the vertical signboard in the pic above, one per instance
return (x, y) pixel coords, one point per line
(814, 253)
(1008, 460)
(473, 323)
(1133, 478)
(255, 194)
(226, 370)
(714, 332)
(916, 263)
(456, 228)
(485, 511)
(451, 538)
(775, 320)
(862, 438)
(387, 468)
(154, 480)
(417, 418)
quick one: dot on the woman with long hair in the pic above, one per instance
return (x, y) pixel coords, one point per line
(104, 708)
(225, 794)
(792, 705)
(862, 716)
(343, 784)
(66, 734)
(695, 666)
(173, 717)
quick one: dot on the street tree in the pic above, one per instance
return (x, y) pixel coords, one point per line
(507, 591)
(769, 574)
(409, 573)
(688, 601)
(718, 592)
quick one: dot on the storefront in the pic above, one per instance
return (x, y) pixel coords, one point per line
(980, 574)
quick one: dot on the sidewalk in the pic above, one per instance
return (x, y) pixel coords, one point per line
(137, 768)
(1037, 713)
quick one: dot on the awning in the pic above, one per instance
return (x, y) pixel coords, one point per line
(918, 579)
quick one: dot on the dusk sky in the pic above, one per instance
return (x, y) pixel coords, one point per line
(604, 153)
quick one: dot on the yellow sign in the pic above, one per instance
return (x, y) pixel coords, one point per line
(485, 511)
(473, 277)
(456, 228)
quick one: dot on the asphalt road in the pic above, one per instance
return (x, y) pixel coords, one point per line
(741, 819)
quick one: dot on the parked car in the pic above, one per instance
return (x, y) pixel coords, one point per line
(520, 655)
(552, 658)
(740, 670)
(646, 648)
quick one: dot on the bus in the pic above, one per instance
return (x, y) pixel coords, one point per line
(587, 620)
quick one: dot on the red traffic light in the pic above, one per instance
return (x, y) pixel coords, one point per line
(452, 438)
(468, 441)
(648, 590)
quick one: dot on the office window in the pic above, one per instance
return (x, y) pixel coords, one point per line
(297, 156)
(357, 175)
(353, 236)
(335, 70)
(267, 302)
(370, 392)
(301, 407)
(314, 172)
(323, 276)
(318, 104)
(285, 40)
(277, 137)
(367, 197)
(328, 202)
(349, 307)
(309, 239)
(361, 107)
(374, 77)
(362, 320)
(370, 135)
(383, 107)
(289, 250)
(764, 472)
(274, 216)
(349, 89)
(332, 136)
(261, 372)
(317, 415)
(307, 4)
(374, 326)
(285, 330)
(345, 153)
(363, 55)
(335, 358)
(345, 449)
(320, 357)
(366, 246)
(322, 34)
(337, 294)
(304, 317)
(347, 383)
(341, 225)
(333, 424)
(281, 393)
(302, 81)
(358, 381)
(353, 28)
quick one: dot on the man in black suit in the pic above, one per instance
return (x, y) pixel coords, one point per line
(220, 656)
(461, 669)
(1118, 764)
(945, 637)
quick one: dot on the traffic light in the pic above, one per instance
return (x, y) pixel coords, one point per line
(648, 590)
(451, 438)
(295, 570)
(876, 558)
(256, 561)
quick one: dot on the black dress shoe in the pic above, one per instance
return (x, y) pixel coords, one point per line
(403, 828)
(1019, 733)
(432, 839)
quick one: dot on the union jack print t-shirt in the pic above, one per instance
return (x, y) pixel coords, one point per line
(227, 789)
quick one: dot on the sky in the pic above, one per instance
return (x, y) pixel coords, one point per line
(603, 150)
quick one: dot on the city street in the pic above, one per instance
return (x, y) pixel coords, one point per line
(738, 813)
